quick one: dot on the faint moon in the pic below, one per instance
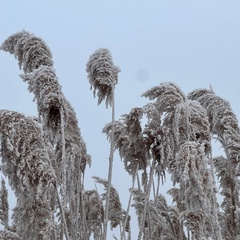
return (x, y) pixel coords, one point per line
(142, 75)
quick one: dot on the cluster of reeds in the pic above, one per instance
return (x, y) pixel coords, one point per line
(44, 159)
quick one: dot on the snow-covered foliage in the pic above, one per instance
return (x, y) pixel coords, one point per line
(115, 215)
(224, 126)
(30, 51)
(94, 213)
(59, 127)
(4, 206)
(129, 140)
(43, 83)
(102, 75)
(44, 159)
(161, 221)
(8, 235)
(26, 163)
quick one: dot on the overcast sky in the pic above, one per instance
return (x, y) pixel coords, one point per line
(194, 43)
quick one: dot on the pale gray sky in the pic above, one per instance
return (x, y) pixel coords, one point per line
(193, 43)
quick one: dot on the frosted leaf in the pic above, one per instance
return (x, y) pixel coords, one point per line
(115, 207)
(129, 141)
(94, 212)
(154, 223)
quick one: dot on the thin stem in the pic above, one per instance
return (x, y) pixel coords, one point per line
(129, 203)
(154, 191)
(217, 229)
(138, 181)
(109, 169)
(147, 200)
(84, 221)
(158, 186)
(63, 159)
(62, 213)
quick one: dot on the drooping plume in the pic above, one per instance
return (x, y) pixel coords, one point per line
(186, 133)
(94, 213)
(56, 115)
(115, 206)
(102, 75)
(51, 104)
(26, 163)
(30, 51)
(224, 125)
(129, 140)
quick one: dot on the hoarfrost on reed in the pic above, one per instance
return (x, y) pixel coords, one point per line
(102, 75)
